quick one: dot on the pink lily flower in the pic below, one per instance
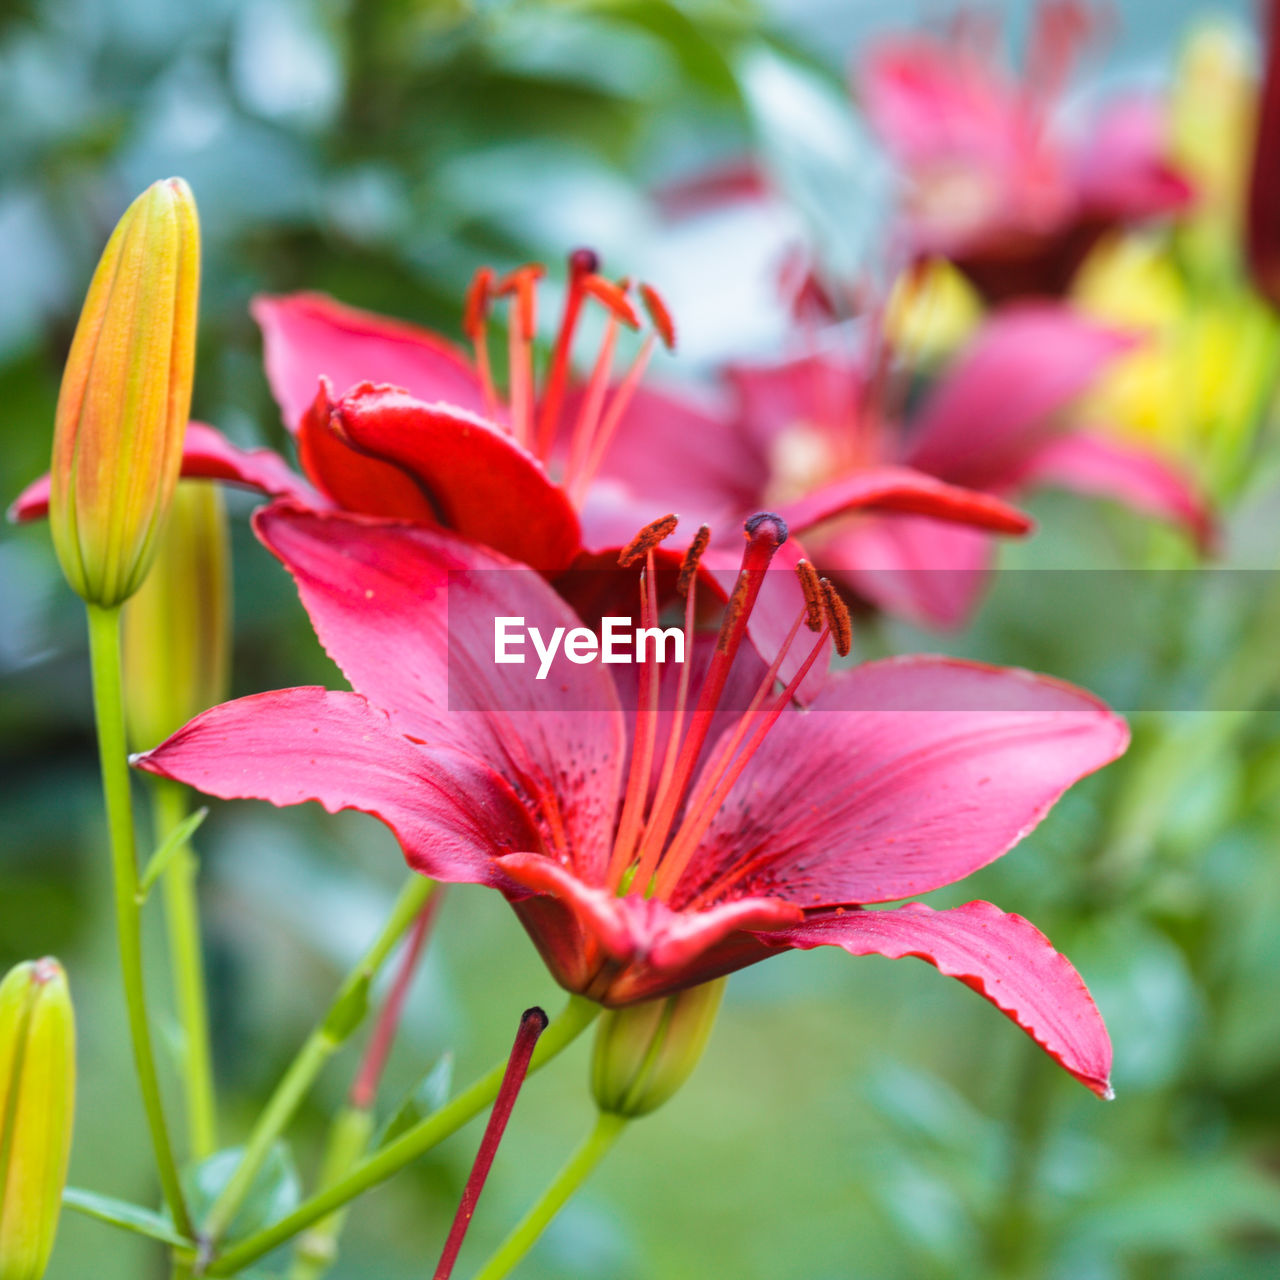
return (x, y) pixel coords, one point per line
(803, 434)
(997, 182)
(705, 828)
(420, 431)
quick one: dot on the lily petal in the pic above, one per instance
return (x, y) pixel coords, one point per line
(996, 404)
(901, 489)
(408, 613)
(207, 455)
(1003, 957)
(476, 479)
(1103, 467)
(902, 776)
(451, 813)
(923, 570)
(307, 336)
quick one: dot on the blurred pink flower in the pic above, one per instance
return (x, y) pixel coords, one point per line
(997, 182)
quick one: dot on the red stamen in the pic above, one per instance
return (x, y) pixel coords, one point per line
(614, 298)
(652, 535)
(811, 585)
(765, 533)
(364, 1091)
(589, 415)
(836, 613)
(617, 407)
(582, 265)
(659, 315)
(532, 1024)
(475, 309)
(692, 558)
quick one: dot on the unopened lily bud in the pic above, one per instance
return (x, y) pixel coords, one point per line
(126, 393)
(645, 1052)
(177, 641)
(37, 1099)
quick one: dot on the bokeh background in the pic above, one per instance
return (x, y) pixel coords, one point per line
(851, 1118)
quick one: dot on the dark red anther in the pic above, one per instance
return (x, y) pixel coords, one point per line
(814, 596)
(837, 616)
(692, 557)
(649, 537)
(659, 315)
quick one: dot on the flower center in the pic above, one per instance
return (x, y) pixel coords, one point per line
(669, 802)
(533, 414)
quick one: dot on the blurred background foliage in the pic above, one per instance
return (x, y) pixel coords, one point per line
(850, 1119)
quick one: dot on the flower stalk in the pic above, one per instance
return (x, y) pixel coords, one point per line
(388, 1160)
(108, 701)
(608, 1128)
(344, 1015)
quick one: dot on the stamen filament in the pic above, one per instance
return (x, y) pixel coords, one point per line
(582, 264)
(617, 407)
(695, 827)
(589, 414)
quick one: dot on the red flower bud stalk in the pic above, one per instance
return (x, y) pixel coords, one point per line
(125, 396)
(37, 1103)
(177, 647)
(643, 1054)
(121, 418)
(352, 1129)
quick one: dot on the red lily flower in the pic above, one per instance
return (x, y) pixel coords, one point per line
(419, 431)
(649, 851)
(997, 185)
(1263, 229)
(808, 433)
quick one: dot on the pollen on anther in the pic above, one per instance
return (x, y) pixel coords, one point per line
(659, 315)
(648, 538)
(692, 557)
(476, 308)
(814, 596)
(614, 298)
(837, 615)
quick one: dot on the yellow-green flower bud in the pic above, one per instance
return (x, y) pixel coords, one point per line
(125, 397)
(645, 1052)
(37, 1099)
(177, 627)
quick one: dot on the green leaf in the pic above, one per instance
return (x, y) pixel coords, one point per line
(169, 848)
(126, 1216)
(424, 1099)
(276, 1191)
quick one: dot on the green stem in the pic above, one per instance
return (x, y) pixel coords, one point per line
(349, 1138)
(108, 704)
(567, 1181)
(343, 1016)
(186, 961)
(577, 1015)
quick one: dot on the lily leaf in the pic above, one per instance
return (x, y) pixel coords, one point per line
(424, 1099)
(168, 850)
(126, 1216)
(275, 1193)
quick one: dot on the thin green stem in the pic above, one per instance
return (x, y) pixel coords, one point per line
(104, 653)
(344, 1015)
(577, 1015)
(607, 1128)
(170, 805)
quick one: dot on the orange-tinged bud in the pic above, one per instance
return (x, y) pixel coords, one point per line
(177, 628)
(37, 1100)
(125, 397)
(645, 1052)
